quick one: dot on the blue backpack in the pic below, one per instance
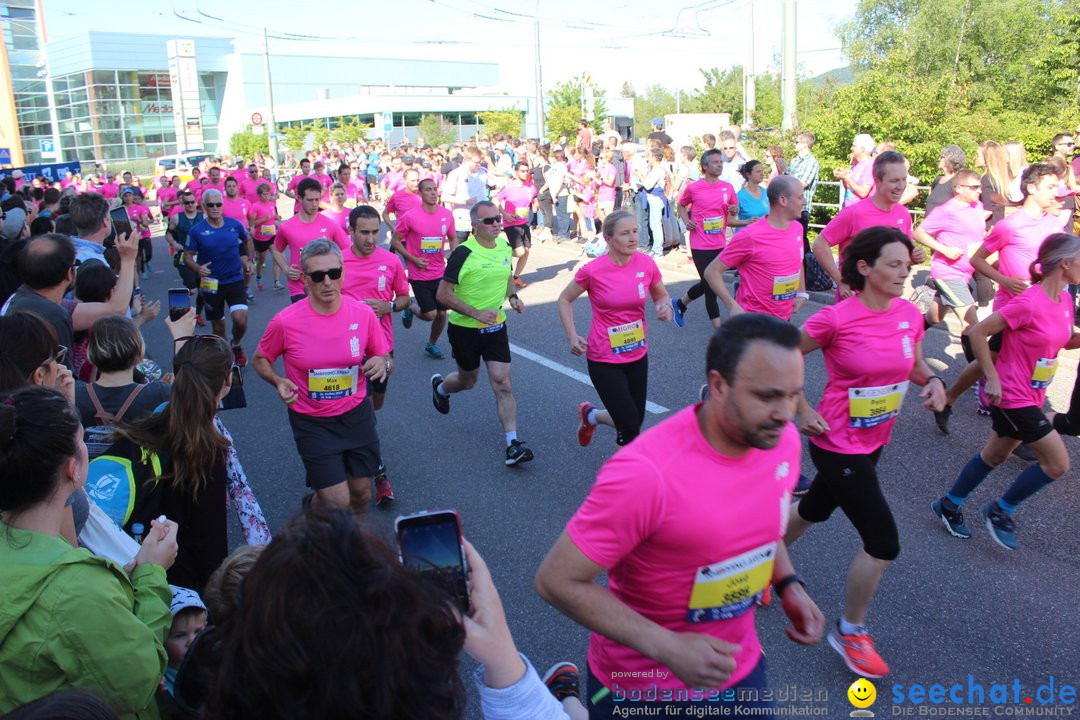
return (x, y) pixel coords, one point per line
(113, 478)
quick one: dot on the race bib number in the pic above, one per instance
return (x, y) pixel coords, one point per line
(874, 405)
(713, 225)
(431, 245)
(208, 284)
(267, 230)
(784, 288)
(626, 338)
(1044, 373)
(332, 383)
(729, 588)
(521, 213)
(491, 328)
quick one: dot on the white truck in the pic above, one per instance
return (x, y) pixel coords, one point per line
(686, 128)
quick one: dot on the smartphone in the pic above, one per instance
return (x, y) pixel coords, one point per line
(121, 222)
(430, 542)
(179, 303)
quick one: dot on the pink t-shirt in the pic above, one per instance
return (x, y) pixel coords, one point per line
(516, 199)
(1016, 240)
(338, 217)
(294, 234)
(425, 235)
(402, 202)
(108, 190)
(688, 537)
(861, 398)
(291, 188)
(606, 174)
(262, 217)
(355, 192)
(237, 208)
(861, 174)
(250, 189)
(617, 295)
(1038, 329)
(769, 261)
(957, 225)
(393, 180)
(853, 219)
(709, 203)
(166, 195)
(326, 181)
(379, 276)
(324, 354)
(136, 212)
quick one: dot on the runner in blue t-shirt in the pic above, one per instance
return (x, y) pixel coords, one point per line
(225, 251)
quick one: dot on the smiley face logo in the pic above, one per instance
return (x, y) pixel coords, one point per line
(862, 693)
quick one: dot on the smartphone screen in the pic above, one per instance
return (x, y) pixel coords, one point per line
(179, 303)
(430, 543)
(121, 221)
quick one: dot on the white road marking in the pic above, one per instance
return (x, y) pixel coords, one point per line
(581, 377)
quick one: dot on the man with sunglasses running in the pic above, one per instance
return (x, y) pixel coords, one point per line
(224, 251)
(329, 345)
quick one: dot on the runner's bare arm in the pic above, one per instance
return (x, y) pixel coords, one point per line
(807, 620)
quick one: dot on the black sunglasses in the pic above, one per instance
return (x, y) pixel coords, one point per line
(491, 220)
(212, 204)
(319, 275)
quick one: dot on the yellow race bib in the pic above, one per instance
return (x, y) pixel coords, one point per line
(713, 225)
(626, 338)
(332, 383)
(784, 287)
(729, 588)
(208, 284)
(431, 245)
(521, 213)
(1044, 373)
(874, 405)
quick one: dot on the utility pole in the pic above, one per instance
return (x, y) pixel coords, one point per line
(271, 126)
(539, 77)
(750, 89)
(790, 76)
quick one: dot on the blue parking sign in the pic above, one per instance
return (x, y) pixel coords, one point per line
(5, 156)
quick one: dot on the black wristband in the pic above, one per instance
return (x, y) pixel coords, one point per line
(512, 296)
(782, 584)
(932, 377)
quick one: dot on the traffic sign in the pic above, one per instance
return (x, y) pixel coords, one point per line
(5, 156)
(256, 118)
(48, 148)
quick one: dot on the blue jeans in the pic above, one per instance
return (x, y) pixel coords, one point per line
(656, 221)
(744, 694)
(562, 219)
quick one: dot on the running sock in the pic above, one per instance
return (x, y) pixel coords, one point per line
(682, 306)
(970, 476)
(442, 391)
(1026, 484)
(591, 417)
(847, 628)
(511, 436)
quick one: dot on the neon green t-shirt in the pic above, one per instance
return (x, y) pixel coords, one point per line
(480, 275)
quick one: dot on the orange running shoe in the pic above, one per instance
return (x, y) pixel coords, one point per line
(585, 430)
(858, 653)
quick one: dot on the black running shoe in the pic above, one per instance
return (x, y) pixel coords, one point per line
(517, 452)
(441, 402)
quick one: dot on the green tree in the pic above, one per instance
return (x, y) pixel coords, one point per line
(627, 90)
(247, 144)
(502, 122)
(654, 101)
(562, 121)
(722, 92)
(567, 94)
(436, 130)
(349, 131)
(296, 137)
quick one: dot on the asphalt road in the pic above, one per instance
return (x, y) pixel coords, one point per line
(945, 609)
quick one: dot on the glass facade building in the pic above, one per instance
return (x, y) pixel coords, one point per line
(26, 62)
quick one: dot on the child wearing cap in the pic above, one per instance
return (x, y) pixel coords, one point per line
(189, 619)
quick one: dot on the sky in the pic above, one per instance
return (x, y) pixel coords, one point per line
(645, 42)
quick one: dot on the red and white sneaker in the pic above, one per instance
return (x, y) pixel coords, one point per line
(859, 653)
(383, 491)
(585, 429)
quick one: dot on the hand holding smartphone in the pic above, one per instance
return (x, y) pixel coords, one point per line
(179, 303)
(431, 543)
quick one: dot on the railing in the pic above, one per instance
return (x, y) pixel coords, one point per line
(917, 212)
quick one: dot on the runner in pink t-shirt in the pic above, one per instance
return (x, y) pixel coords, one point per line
(403, 200)
(374, 276)
(263, 218)
(516, 199)
(421, 236)
(880, 208)
(1017, 243)
(336, 209)
(167, 199)
(951, 230)
(330, 346)
(687, 520)
(705, 207)
(768, 256)
(299, 230)
(1035, 326)
(855, 418)
(234, 205)
(294, 183)
(618, 283)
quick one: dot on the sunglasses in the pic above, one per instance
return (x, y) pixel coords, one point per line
(970, 187)
(58, 357)
(319, 275)
(491, 220)
(189, 202)
(209, 205)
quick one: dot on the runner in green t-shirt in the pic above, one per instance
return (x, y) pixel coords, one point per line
(478, 279)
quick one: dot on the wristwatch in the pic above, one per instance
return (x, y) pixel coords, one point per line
(782, 584)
